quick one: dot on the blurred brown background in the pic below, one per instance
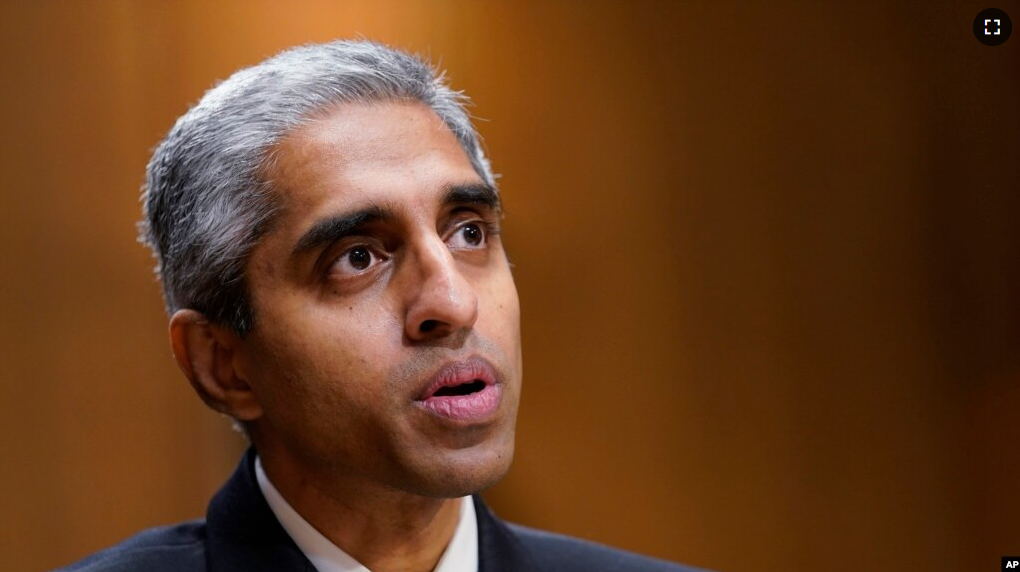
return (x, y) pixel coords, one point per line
(767, 258)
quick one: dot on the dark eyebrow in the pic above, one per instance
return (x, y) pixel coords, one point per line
(473, 194)
(332, 229)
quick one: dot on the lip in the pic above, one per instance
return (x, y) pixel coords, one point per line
(474, 407)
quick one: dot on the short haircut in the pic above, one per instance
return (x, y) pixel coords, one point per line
(206, 200)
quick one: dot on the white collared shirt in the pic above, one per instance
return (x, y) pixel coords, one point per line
(461, 555)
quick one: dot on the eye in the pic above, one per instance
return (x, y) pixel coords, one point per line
(470, 235)
(355, 260)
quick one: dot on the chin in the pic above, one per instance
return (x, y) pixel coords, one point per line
(463, 473)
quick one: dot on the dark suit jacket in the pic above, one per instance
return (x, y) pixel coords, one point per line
(241, 534)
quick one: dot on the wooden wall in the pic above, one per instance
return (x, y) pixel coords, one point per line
(767, 255)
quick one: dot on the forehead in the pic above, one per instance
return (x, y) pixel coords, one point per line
(361, 153)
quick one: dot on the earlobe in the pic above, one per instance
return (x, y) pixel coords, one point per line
(205, 354)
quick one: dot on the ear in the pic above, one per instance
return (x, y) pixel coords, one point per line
(205, 352)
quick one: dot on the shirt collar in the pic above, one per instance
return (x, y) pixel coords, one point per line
(461, 555)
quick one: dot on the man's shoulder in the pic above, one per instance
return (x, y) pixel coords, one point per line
(553, 551)
(179, 547)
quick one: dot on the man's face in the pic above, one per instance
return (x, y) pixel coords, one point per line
(386, 347)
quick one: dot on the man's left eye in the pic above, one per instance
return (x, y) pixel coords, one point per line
(470, 235)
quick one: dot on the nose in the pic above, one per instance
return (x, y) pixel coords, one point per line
(440, 301)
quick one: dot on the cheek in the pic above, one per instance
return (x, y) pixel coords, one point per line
(503, 295)
(320, 356)
(504, 314)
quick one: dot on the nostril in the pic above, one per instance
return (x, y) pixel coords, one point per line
(428, 325)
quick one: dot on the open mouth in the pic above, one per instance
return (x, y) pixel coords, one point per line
(463, 392)
(468, 388)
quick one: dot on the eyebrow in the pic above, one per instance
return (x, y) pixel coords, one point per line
(473, 194)
(334, 228)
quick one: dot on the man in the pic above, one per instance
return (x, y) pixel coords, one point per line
(326, 228)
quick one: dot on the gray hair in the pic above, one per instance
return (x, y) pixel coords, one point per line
(206, 202)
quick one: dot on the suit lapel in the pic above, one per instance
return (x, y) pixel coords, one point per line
(243, 533)
(499, 549)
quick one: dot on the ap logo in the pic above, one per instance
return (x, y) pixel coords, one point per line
(1011, 563)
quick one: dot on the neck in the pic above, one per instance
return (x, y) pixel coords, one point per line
(384, 529)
